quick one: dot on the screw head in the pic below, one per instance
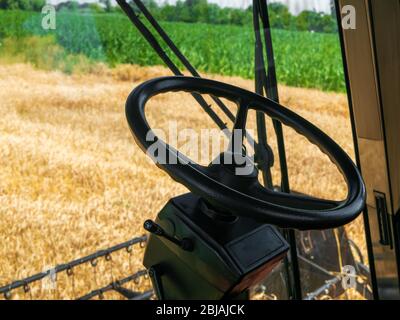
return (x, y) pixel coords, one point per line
(8, 295)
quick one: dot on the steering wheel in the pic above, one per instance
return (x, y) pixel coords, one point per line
(243, 195)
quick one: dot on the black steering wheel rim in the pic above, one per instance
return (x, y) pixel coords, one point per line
(254, 201)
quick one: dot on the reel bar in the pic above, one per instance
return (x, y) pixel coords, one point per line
(69, 266)
(117, 284)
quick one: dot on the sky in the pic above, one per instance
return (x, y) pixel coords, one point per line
(295, 6)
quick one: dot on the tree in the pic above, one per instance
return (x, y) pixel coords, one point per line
(95, 7)
(193, 3)
(193, 11)
(8, 4)
(280, 16)
(317, 22)
(107, 5)
(35, 5)
(199, 11)
(182, 12)
(71, 5)
(167, 13)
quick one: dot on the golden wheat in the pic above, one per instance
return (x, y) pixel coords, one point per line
(72, 180)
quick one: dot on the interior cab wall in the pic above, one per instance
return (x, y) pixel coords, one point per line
(372, 53)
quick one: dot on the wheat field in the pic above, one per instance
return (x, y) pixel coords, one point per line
(72, 180)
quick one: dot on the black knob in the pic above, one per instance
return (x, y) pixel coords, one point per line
(152, 227)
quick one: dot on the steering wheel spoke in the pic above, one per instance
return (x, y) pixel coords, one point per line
(238, 134)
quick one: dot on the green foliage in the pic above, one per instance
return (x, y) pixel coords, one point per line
(96, 8)
(316, 22)
(303, 59)
(280, 17)
(201, 11)
(43, 53)
(107, 4)
(30, 5)
(12, 24)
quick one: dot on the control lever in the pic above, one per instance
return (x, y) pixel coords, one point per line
(152, 227)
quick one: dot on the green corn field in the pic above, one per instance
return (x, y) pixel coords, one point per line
(303, 59)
